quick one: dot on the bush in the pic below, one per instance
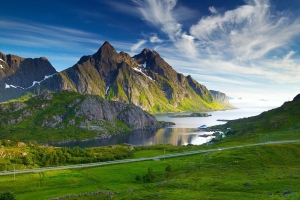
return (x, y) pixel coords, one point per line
(149, 177)
(7, 196)
(138, 178)
(3, 167)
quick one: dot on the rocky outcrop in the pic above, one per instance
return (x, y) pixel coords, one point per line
(222, 99)
(65, 110)
(96, 109)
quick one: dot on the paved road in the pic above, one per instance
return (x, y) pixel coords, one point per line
(138, 159)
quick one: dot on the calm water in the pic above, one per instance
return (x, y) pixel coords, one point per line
(183, 133)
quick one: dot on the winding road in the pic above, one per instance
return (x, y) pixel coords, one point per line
(37, 170)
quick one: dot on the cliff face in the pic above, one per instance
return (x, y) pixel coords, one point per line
(67, 111)
(222, 99)
(18, 74)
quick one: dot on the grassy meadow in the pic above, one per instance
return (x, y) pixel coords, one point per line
(257, 172)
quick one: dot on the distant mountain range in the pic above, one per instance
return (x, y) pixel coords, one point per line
(145, 80)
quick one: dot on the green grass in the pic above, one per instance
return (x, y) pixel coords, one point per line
(260, 172)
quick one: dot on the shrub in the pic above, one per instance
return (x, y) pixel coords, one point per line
(7, 196)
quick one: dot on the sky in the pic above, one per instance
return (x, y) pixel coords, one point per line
(248, 49)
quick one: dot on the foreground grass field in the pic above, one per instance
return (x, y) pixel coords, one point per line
(258, 172)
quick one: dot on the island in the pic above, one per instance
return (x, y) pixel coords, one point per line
(191, 115)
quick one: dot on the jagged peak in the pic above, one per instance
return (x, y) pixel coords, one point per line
(106, 50)
(106, 43)
(189, 77)
(145, 51)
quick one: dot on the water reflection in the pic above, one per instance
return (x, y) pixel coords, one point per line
(175, 136)
(183, 133)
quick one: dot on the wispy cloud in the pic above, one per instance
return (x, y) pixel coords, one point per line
(57, 43)
(159, 13)
(138, 45)
(240, 42)
(248, 32)
(155, 39)
(213, 10)
(37, 35)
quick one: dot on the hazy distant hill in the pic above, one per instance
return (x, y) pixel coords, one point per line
(286, 117)
(145, 80)
(222, 99)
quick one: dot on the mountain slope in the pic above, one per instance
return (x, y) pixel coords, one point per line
(145, 80)
(65, 115)
(18, 74)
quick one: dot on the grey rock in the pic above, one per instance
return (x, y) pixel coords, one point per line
(18, 106)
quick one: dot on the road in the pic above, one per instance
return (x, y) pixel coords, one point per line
(37, 170)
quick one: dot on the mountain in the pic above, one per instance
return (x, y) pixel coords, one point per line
(222, 99)
(279, 121)
(145, 80)
(17, 74)
(69, 115)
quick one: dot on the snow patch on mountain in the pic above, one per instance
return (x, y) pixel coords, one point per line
(107, 88)
(12, 86)
(139, 70)
(39, 82)
(34, 82)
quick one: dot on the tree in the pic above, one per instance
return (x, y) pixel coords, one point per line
(168, 171)
(26, 160)
(3, 166)
(169, 168)
(7, 196)
(138, 178)
(149, 177)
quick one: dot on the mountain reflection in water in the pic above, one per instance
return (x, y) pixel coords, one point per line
(175, 136)
(184, 132)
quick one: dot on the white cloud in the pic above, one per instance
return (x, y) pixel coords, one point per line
(155, 39)
(248, 32)
(288, 56)
(160, 14)
(213, 10)
(137, 45)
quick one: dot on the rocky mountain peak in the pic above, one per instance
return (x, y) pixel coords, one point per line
(152, 61)
(105, 53)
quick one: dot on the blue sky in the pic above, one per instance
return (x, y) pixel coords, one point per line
(247, 49)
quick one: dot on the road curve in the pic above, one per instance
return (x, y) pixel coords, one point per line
(37, 170)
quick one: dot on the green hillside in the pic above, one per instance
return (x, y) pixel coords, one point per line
(281, 123)
(63, 116)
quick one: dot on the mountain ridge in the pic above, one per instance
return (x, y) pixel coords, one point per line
(145, 80)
